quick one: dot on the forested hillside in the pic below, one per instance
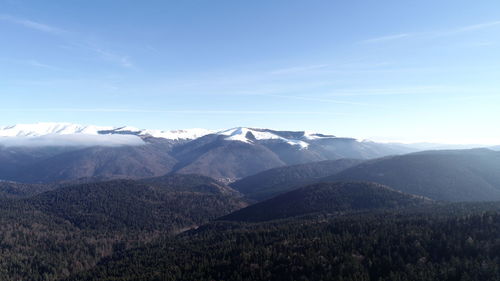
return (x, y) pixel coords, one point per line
(333, 198)
(455, 242)
(69, 229)
(269, 183)
(448, 175)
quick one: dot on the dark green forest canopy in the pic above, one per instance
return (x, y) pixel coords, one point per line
(455, 242)
(328, 197)
(53, 234)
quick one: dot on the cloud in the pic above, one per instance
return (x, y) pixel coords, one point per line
(319, 100)
(33, 63)
(297, 69)
(32, 24)
(386, 38)
(104, 54)
(123, 61)
(203, 112)
(479, 26)
(80, 140)
(416, 90)
(41, 65)
(433, 34)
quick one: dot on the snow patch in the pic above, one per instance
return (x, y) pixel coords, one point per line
(41, 129)
(188, 134)
(242, 134)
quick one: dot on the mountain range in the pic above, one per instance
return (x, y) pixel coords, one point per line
(49, 152)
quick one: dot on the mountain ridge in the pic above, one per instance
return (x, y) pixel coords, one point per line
(329, 197)
(126, 152)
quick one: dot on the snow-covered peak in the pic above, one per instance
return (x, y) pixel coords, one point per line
(42, 129)
(241, 134)
(187, 134)
(248, 135)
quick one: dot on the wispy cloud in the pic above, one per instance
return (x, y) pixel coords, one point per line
(319, 100)
(32, 24)
(41, 65)
(103, 54)
(386, 38)
(123, 61)
(479, 26)
(34, 63)
(297, 69)
(415, 90)
(107, 55)
(433, 34)
(194, 111)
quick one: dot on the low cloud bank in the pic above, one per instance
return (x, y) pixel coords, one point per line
(73, 140)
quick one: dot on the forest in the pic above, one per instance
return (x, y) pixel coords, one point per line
(453, 242)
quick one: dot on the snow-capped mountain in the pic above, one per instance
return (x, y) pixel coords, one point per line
(46, 152)
(43, 129)
(250, 135)
(242, 134)
(185, 134)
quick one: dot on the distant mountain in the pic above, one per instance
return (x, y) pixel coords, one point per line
(241, 152)
(43, 129)
(14, 160)
(449, 175)
(100, 162)
(339, 197)
(213, 156)
(48, 152)
(269, 183)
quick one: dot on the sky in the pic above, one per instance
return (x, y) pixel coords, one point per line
(406, 71)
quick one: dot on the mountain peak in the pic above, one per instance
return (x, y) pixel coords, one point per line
(250, 135)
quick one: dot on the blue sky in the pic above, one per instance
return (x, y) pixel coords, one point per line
(384, 70)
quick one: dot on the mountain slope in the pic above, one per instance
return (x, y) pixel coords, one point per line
(145, 205)
(190, 183)
(218, 158)
(55, 233)
(454, 175)
(269, 183)
(337, 197)
(100, 162)
(10, 189)
(242, 152)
